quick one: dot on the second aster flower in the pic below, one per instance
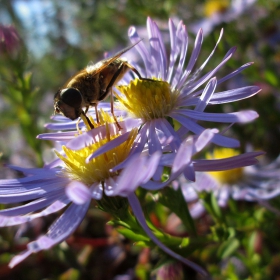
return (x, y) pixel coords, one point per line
(171, 92)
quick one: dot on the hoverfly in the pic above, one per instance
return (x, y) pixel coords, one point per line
(91, 85)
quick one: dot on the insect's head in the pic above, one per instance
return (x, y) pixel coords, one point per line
(68, 102)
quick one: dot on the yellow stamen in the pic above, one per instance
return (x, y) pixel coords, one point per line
(147, 99)
(228, 176)
(98, 169)
(215, 6)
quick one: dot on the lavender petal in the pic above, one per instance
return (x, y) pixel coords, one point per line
(78, 192)
(137, 210)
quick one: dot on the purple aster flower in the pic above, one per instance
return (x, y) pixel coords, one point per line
(173, 92)
(90, 166)
(250, 183)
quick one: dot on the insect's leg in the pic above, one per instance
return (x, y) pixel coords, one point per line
(134, 70)
(77, 125)
(86, 110)
(96, 113)
(137, 73)
(112, 111)
(86, 120)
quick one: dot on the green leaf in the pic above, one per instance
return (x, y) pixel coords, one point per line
(211, 205)
(251, 243)
(216, 208)
(175, 201)
(116, 223)
(131, 234)
(228, 247)
(271, 77)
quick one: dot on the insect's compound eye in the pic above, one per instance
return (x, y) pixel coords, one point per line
(71, 97)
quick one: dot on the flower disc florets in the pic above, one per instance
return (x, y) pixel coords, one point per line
(97, 169)
(148, 99)
(230, 176)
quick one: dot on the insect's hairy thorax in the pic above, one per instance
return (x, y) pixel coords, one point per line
(118, 68)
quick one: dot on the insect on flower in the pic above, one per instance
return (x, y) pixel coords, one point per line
(91, 85)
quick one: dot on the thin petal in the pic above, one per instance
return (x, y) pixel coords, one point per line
(109, 146)
(193, 86)
(67, 125)
(237, 117)
(130, 178)
(29, 192)
(197, 129)
(137, 210)
(153, 140)
(58, 136)
(235, 72)
(227, 163)
(138, 147)
(175, 45)
(151, 167)
(183, 157)
(59, 231)
(78, 192)
(169, 133)
(206, 95)
(142, 50)
(234, 95)
(17, 220)
(186, 73)
(182, 47)
(193, 58)
(204, 139)
(32, 206)
(189, 173)
(156, 42)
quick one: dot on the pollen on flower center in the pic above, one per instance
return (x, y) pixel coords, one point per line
(228, 176)
(98, 169)
(215, 6)
(147, 99)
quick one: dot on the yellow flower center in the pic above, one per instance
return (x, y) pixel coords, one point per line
(215, 6)
(98, 169)
(228, 176)
(147, 99)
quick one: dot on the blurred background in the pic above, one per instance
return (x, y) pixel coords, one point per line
(44, 42)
